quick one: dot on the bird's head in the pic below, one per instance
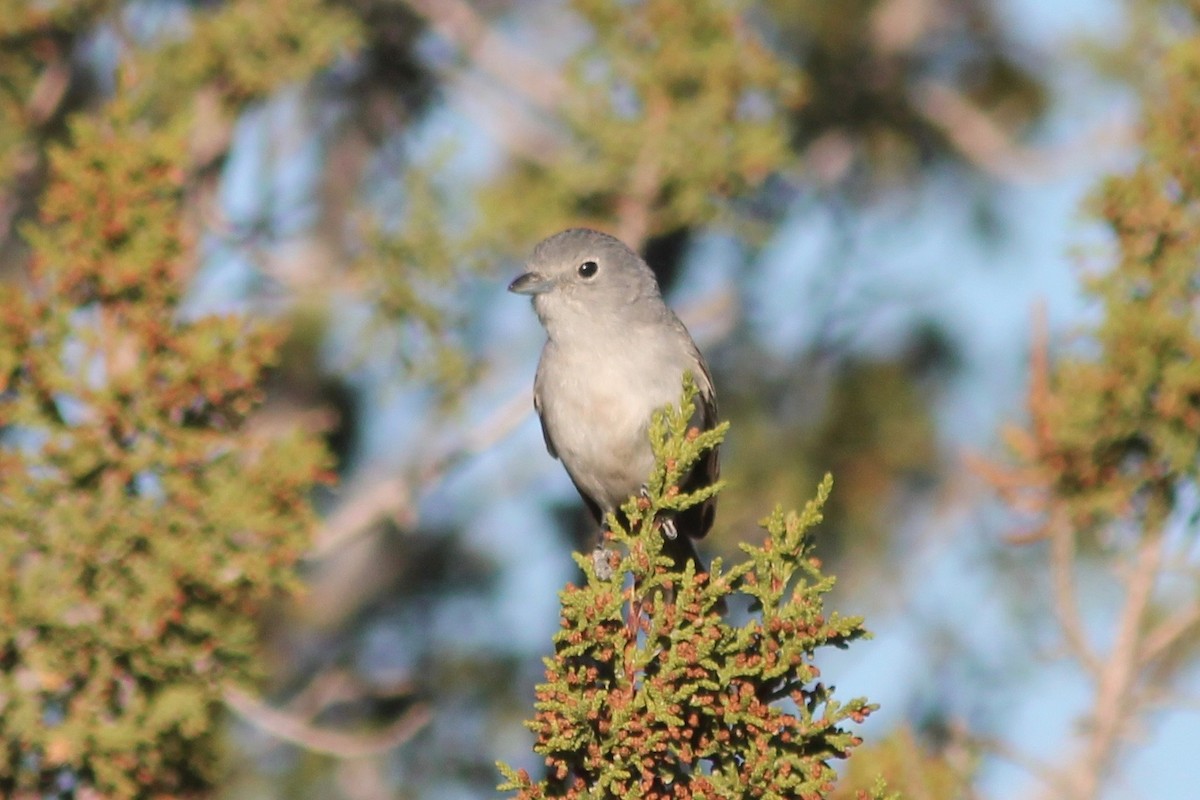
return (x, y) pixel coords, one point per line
(581, 277)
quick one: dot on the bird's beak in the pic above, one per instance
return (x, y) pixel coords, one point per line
(531, 283)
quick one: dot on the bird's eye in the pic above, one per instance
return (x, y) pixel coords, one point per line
(588, 268)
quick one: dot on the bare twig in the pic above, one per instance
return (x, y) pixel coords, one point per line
(1058, 527)
(897, 26)
(337, 685)
(498, 424)
(392, 496)
(364, 506)
(495, 67)
(1026, 488)
(1066, 601)
(984, 142)
(48, 91)
(522, 132)
(212, 130)
(1042, 770)
(461, 24)
(976, 135)
(636, 206)
(1168, 632)
(339, 744)
(1115, 689)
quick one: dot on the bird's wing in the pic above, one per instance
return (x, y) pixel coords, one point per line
(537, 406)
(592, 506)
(696, 521)
(706, 405)
(705, 416)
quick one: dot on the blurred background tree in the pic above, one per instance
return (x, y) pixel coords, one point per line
(854, 205)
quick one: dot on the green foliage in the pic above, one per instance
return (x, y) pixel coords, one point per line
(651, 693)
(35, 75)
(143, 523)
(671, 108)
(142, 526)
(869, 61)
(248, 49)
(22, 18)
(912, 771)
(877, 434)
(1110, 460)
(411, 268)
(1116, 434)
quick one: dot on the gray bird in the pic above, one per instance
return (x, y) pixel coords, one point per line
(614, 355)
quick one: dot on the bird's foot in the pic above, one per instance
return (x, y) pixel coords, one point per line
(666, 524)
(668, 529)
(601, 562)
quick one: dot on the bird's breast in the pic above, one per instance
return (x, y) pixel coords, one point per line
(597, 406)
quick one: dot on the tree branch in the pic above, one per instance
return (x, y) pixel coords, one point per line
(459, 22)
(339, 744)
(984, 142)
(1168, 632)
(635, 208)
(392, 496)
(1114, 692)
(520, 130)
(1066, 600)
(1040, 769)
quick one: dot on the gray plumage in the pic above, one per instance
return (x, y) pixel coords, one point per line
(614, 355)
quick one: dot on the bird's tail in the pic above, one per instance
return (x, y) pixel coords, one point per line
(682, 549)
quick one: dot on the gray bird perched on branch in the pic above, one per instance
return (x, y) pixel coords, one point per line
(614, 355)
